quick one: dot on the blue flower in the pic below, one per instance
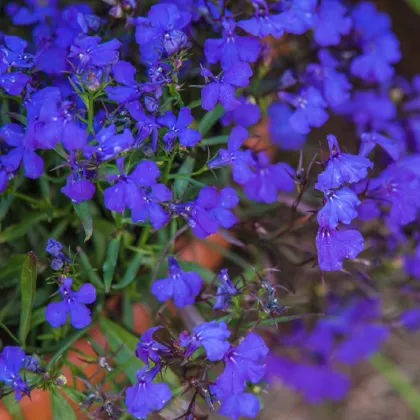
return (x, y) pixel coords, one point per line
(269, 180)
(298, 16)
(241, 160)
(222, 89)
(225, 290)
(54, 248)
(14, 83)
(340, 206)
(182, 286)
(310, 109)
(371, 139)
(232, 48)
(331, 23)
(74, 303)
(178, 128)
(210, 335)
(342, 167)
(13, 54)
(237, 405)
(148, 348)
(245, 114)
(145, 397)
(410, 319)
(12, 359)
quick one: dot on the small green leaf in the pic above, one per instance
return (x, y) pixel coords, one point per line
(61, 409)
(82, 210)
(210, 119)
(9, 333)
(27, 291)
(131, 273)
(212, 141)
(111, 262)
(414, 4)
(13, 407)
(21, 229)
(181, 184)
(89, 271)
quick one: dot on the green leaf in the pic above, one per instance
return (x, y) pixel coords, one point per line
(210, 119)
(111, 262)
(21, 229)
(61, 409)
(13, 407)
(212, 141)
(82, 210)
(398, 380)
(181, 184)
(27, 291)
(414, 4)
(89, 271)
(131, 273)
(9, 333)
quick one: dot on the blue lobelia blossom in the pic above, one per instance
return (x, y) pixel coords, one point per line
(298, 15)
(124, 73)
(412, 263)
(90, 52)
(222, 88)
(145, 397)
(342, 167)
(241, 160)
(13, 54)
(54, 248)
(211, 335)
(334, 246)
(410, 319)
(149, 348)
(140, 192)
(334, 85)
(243, 363)
(23, 152)
(331, 23)
(225, 290)
(380, 48)
(232, 48)
(12, 359)
(178, 128)
(182, 286)
(245, 114)
(310, 109)
(340, 206)
(4, 177)
(14, 83)
(74, 303)
(371, 139)
(33, 12)
(161, 31)
(269, 180)
(281, 132)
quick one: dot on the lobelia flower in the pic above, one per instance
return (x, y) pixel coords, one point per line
(211, 335)
(33, 12)
(241, 160)
(32, 364)
(342, 167)
(74, 303)
(370, 140)
(310, 109)
(140, 192)
(178, 128)
(222, 88)
(13, 54)
(148, 348)
(331, 23)
(245, 114)
(232, 48)
(161, 31)
(183, 287)
(23, 152)
(54, 248)
(269, 180)
(298, 16)
(340, 206)
(146, 397)
(14, 83)
(225, 290)
(4, 177)
(412, 264)
(410, 319)
(12, 359)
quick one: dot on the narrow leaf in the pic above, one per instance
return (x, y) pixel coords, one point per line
(27, 290)
(111, 262)
(131, 272)
(414, 4)
(181, 184)
(21, 229)
(13, 407)
(61, 409)
(9, 333)
(210, 119)
(82, 210)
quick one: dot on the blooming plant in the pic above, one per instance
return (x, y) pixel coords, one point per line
(131, 137)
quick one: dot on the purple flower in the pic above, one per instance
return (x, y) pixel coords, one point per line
(335, 245)
(299, 16)
(370, 140)
(13, 54)
(222, 89)
(14, 83)
(310, 109)
(269, 180)
(33, 13)
(12, 359)
(182, 286)
(340, 206)
(241, 160)
(237, 405)
(412, 263)
(210, 335)
(145, 397)
(178, 128)
(342, 167)
(161, 31)
(410, 319)
(74, 303)
(331, 23)
(232, 48)
(245, 114)
(23, 151)
(4, 178)
(148, 348)
(54, 248)
(225, 290)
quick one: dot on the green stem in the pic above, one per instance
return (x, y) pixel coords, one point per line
(90, 114)
(168, 169)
